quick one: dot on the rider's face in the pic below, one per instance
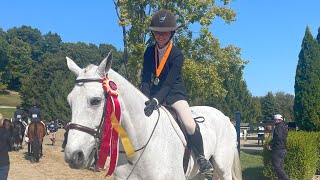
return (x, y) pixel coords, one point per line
(162, 38)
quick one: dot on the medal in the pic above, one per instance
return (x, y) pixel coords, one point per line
(162, 62)
(156, 81)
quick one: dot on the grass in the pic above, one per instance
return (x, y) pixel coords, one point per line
(252, 165)
(7, 112)
(10, 99)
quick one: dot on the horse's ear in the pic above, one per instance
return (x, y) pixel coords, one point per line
(105, 65)
(73, 66)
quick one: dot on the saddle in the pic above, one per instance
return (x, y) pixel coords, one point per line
(187, 151)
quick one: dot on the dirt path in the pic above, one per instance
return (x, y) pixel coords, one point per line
(50, 167)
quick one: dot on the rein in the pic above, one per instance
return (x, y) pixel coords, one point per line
(143, 148)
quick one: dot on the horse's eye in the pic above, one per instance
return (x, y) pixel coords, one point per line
(95, 101)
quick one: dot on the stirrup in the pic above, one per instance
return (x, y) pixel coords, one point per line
(206, 168)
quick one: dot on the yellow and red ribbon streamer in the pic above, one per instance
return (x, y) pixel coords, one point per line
(112, 129)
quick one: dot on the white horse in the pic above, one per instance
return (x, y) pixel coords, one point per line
(162, 155)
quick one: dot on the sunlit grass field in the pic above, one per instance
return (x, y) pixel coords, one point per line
(10, 99)
(7, 112)
(252, 165)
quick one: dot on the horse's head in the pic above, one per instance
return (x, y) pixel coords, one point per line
(7, 124)
(87, 103)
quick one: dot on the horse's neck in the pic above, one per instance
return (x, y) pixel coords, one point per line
(137, 125)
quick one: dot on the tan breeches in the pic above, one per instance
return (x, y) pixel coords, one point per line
(184, 112)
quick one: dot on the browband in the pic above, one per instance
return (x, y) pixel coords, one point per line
(88, 80)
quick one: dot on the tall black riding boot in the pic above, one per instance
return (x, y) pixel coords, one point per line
(197, 144)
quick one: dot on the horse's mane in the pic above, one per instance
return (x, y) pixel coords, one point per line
(91, 70)
(121, 80)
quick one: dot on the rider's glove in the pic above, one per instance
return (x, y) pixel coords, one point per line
(151, 105)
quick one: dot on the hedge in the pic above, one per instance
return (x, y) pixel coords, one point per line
(302, 158)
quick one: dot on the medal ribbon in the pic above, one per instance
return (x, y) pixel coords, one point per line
(163, 60)
(112, 130)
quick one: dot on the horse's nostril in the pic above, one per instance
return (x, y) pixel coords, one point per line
(77, 159)
(78, 156)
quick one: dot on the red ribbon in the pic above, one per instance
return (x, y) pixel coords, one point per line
(110, 139)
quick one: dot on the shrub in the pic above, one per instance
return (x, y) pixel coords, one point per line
(302, 156)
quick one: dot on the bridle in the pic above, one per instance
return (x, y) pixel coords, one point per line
(96, 133)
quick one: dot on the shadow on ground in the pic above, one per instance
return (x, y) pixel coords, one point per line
(253, 174)
(253, 152)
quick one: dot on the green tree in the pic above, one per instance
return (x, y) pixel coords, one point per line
(52, 42)
(4, 61)
(285, 102)
(83, 54)
(31, 36)
(238, 97)
(134, 18)
(256, 101)
(307, 84)
(269, 106)
(20, 62)
(49, 84)
(318, 36)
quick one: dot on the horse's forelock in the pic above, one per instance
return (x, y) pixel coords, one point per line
(88, 72)
(90, 68)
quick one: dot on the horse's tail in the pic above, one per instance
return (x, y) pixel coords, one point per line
(16, 134)
(36, 143)
(236, 166)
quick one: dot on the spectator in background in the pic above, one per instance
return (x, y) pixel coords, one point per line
(260, 134)
(279, 146)
(5, 146)
(53, 128)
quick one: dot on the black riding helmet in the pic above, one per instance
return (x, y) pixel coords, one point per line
(35, 103)
(163, 21)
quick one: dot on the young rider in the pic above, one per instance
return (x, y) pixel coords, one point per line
(162, 81)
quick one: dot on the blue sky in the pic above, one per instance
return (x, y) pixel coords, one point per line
(269, 32)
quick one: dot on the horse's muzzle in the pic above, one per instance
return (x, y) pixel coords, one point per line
(77, 160)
